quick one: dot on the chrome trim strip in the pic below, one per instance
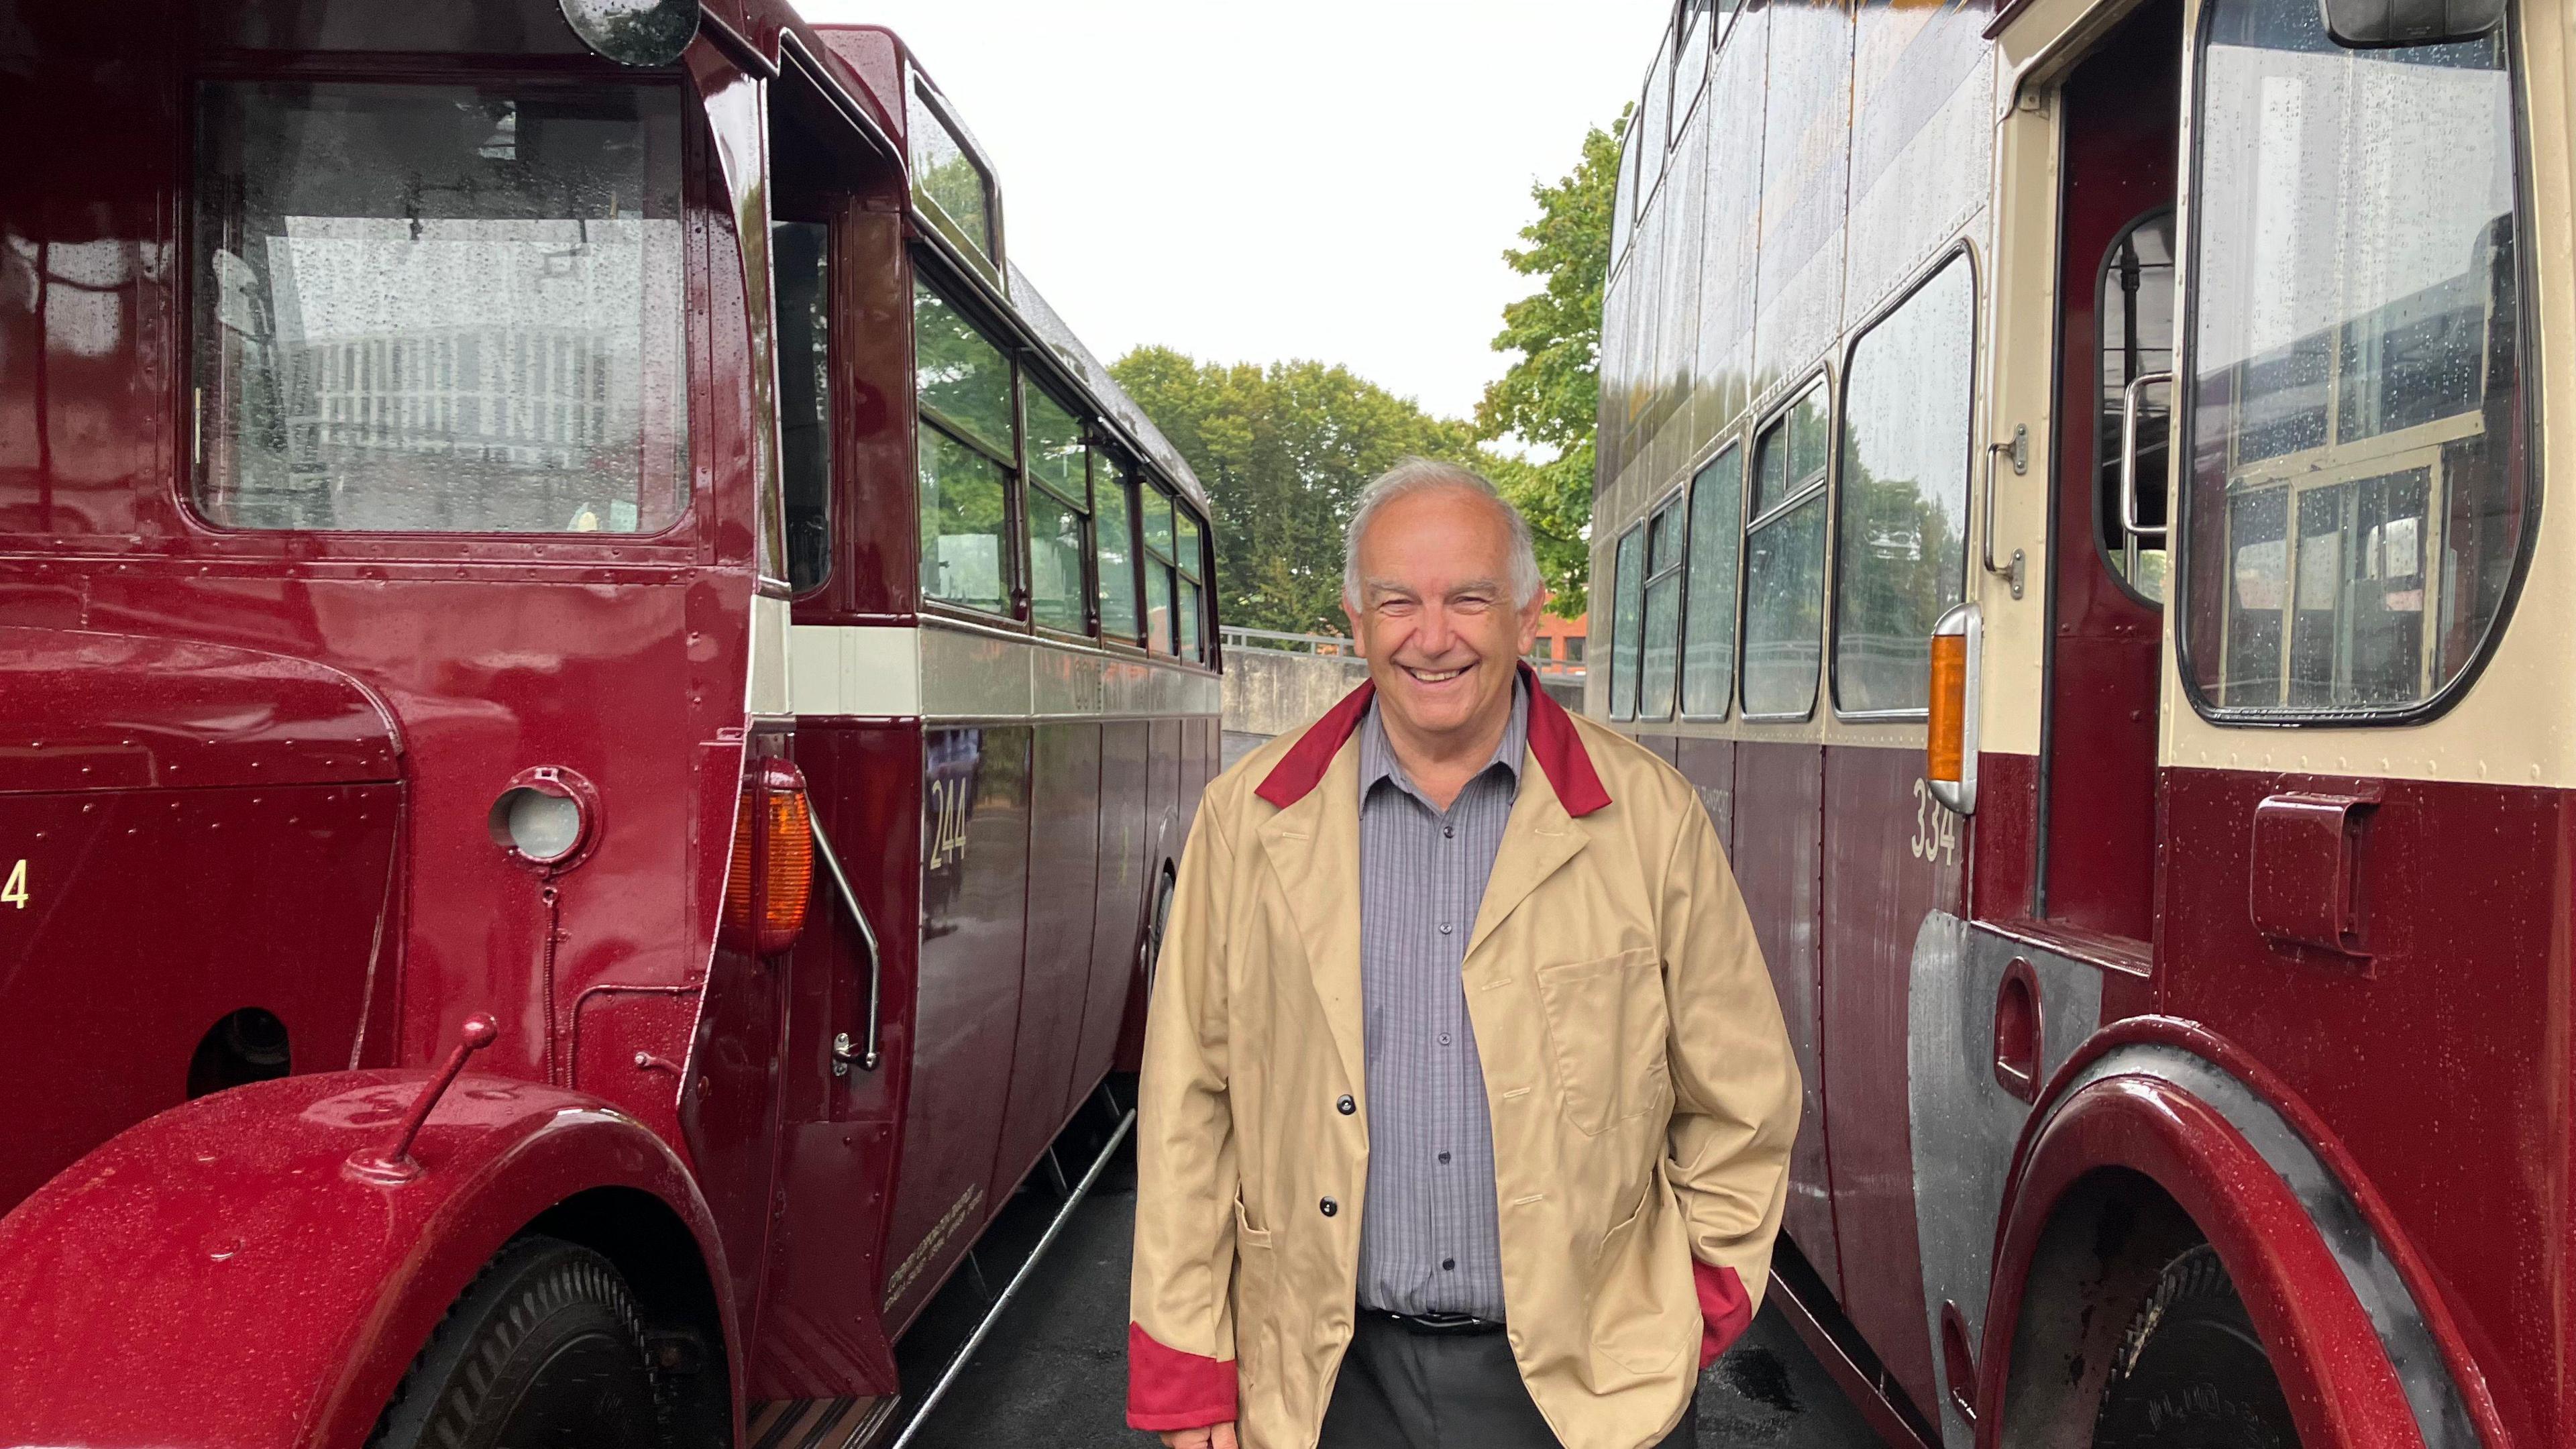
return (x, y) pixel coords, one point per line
(842, 1055)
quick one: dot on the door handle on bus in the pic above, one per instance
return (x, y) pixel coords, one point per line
(2019, 448)
(842, 1052)
(2129, 453)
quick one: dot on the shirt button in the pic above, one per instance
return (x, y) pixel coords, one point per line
(1444, 928)
(1328, 1207)
(1346, 1106)
(1448, 832)
(1444, 1038)
(1444, 1158)
(1449, 1265)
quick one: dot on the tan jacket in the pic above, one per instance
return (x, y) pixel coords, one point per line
(1641, 1086)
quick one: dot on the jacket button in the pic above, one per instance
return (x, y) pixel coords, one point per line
(1346, 1106)
(1329, 1207)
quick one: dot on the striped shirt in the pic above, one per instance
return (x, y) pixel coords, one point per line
(1430, 1237)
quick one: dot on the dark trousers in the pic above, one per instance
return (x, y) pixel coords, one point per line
(1404, 1390)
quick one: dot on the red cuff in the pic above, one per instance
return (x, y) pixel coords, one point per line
(1169, 1389)
(1725, 1310)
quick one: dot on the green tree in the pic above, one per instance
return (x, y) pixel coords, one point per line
(1550, 399)
(1284, 451)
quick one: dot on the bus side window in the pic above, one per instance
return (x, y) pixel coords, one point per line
(1055, 509)
(1784, 563)
(1903, 504)
(1663, 614)
(2359, 484)
(1113, 497)
(1627, 622)
(1158, 569)
(1189, 597)
(1709, 600)
(968, 446)
(800, 254)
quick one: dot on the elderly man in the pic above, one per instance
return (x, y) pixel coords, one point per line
(1467, 1105)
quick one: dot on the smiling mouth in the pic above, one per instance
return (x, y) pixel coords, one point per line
(1435, 676)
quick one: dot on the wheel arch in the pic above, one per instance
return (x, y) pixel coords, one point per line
(232, 1221)
(2159, 1134)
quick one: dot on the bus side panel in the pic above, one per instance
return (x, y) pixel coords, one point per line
(1891, 858)
(1125, 754)
(1709, 765)
(2439, 1060)
(819, 1335)
(966, 1013)
(1779, 820)
(1064, 884)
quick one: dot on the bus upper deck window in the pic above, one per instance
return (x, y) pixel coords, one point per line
(2356, 479)
(440, 308)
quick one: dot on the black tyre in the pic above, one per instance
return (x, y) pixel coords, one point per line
(2191, 1372)
(544, 1351)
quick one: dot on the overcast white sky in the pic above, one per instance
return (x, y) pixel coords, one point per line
(1248, 182)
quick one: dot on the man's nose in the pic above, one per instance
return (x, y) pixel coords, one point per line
(1432, 633)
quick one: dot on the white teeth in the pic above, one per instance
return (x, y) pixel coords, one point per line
(1429, 677)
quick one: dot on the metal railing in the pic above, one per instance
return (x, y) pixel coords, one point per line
(1336, 645)
(1293, 643)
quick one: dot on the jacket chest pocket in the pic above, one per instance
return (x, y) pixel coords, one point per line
(1606, 1037)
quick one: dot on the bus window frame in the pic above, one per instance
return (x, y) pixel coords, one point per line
(1834, 553)
(1659, 71)
(1685, 110)
(1614, 674)
(708, 220)
(2183, 437)
(932, 217)
(1128, 474)
(1822, 379)
(1676, 502)
(1015, 593)
(1735, 441)
(2102, 517)
(1086, 427)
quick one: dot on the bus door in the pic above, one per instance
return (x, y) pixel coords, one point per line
(2106, 578)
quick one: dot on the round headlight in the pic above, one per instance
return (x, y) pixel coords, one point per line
(542, 819)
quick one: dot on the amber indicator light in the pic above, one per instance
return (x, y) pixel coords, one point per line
(1944, 746)
(770, 880)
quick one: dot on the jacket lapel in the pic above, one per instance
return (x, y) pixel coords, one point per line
(1314, 845)
(1539, 837)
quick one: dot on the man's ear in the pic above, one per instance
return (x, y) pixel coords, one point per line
(1359, 636)
(1531, 616)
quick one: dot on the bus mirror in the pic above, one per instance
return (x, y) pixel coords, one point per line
(1950, 745)
(634, 32)
(2387, 24)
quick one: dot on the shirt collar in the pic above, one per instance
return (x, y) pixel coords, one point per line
(1377, 752)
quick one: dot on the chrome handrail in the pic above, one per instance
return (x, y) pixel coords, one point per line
(2129, 453)
(842, 1052)
(2019, 451)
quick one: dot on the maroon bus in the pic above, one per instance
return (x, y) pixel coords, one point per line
(549, 543)
(2072, 501)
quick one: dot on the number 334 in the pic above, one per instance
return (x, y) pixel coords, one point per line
(1936, 830)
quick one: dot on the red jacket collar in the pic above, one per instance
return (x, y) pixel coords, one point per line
(1552, 741)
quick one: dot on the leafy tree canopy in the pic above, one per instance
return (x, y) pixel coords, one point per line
(1284, 451)
(1551, 397)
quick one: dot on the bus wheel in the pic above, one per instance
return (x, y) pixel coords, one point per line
(544, 1349)
(2191, 1372)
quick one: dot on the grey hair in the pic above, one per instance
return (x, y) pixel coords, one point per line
(1421, 475)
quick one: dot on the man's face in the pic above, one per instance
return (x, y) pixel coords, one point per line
(1437, 619)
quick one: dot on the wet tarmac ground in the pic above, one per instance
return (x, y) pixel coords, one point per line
(1053, 1373)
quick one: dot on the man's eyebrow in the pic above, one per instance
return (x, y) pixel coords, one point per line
(1475, 586)
(1370, 588)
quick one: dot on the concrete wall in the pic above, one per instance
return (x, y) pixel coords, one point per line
(1272, 691)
